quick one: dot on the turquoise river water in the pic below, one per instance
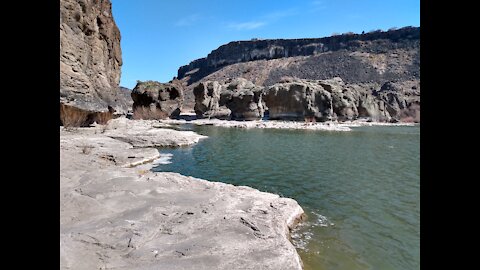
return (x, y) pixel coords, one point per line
(360, 189)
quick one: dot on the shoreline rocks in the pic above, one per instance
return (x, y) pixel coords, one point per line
(278, 124)
(237, 99)
(244, 99)
(298, 100)
(154, 100)
(113, 215)
(239, 52)
(332, 99)
(309, 100)
(207, 101)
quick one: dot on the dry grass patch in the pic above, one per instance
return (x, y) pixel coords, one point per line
(72, 117)
(102, 117)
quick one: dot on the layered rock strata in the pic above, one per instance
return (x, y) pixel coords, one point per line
(375, 57)
(266, 49)
(90, 59)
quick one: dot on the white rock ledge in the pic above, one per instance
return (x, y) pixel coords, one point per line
(278, 124)
(272, 124)
(114, 216)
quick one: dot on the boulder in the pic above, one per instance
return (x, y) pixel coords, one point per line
(155, 100)
(244, 99)
(401, 100)
(343, 100)
(237, 99)
(207, 101)
(299, 99)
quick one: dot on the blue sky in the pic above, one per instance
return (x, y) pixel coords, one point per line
(159, 36)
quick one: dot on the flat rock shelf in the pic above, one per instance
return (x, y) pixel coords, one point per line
(116, 213)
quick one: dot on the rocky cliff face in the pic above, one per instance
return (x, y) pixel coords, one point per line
(299, 100)
(245, 51)
(127, 93)
(90, 57)
(376, 57)
(335, 100)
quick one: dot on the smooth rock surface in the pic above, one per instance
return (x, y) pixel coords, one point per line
(273, 124)
(113, 216)
(148, 133)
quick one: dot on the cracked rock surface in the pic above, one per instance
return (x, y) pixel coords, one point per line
(90, 57)
(117, 215)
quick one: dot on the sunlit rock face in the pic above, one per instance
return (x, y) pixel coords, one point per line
(90, 57)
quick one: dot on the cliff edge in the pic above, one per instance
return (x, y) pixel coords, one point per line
(90, 59)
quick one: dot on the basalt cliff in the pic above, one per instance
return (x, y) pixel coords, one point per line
(90, 62)
(373, 58)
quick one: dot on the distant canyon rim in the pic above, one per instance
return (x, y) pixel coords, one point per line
(116, 212)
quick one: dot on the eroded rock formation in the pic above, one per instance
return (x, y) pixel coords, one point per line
(376, 57)
(207, 101)
(237, 99)
(244, 99)
(90, 58)
(298, 99)
(154, 100)
(334, 100)
(401, 100)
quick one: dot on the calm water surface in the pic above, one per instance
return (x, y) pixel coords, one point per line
(360, 189)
